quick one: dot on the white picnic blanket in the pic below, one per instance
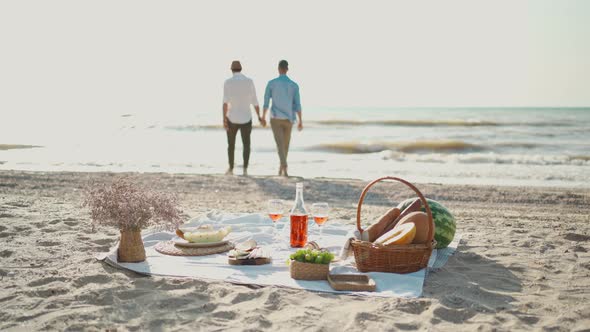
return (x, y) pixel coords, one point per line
(260, 228)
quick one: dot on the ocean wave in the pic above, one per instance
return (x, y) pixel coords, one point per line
(526, 145)
(580, 157)
(193, 127)
(489, 158)
(417, 123)
(202, 127)
(435, 123)
(17, 146)
(407, 147)
(392, 123)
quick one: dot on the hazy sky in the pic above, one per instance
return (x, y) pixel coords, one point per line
(113, 57)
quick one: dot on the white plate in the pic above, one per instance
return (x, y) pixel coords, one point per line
(184, 243)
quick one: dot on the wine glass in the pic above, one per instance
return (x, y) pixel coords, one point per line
(275, 208)
(320, 213)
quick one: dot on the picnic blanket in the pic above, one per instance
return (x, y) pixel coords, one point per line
(260, 228)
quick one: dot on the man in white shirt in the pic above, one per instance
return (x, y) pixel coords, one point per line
(238, 94)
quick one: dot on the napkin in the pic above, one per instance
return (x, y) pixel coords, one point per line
(347, 248)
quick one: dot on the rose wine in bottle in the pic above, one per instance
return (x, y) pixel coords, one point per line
(298, 219)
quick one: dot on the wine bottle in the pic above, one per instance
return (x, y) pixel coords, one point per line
(298, 217)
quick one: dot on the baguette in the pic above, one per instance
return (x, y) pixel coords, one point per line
(377, 229)
(415, 206)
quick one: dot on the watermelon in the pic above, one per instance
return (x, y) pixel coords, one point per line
(444, 222)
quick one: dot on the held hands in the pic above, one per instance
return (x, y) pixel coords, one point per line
(225, 124)
(262, 121)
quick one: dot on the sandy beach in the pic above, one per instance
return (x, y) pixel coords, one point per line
(523, 262)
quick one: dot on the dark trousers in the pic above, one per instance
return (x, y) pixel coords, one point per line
(245, 130)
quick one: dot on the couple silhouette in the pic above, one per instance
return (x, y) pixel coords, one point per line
(281, 94)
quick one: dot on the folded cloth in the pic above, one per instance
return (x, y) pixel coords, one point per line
(347, 248)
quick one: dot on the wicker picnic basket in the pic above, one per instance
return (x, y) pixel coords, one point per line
(371, 257)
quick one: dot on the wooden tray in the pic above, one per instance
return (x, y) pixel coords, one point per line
(251, 261)
(351, 282)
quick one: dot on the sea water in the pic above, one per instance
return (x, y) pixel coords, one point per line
(491, 146)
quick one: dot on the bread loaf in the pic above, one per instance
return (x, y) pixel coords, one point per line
(415, 206)
(377, 229)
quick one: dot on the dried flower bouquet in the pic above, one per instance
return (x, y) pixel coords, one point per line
(130, 208)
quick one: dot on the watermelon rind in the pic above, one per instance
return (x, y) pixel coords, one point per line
(444, 221)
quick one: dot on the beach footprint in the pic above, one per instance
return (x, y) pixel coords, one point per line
(95, 279)
(249, 296)
(577, 237)
(456, 316)
(415, 307)
(55, 221)
(45, 281)
(406, 326)
(6, 253)
(48, 243)
(104, 242)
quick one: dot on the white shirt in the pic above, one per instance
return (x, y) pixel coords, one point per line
(239, 93)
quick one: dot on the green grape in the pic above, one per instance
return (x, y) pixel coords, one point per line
(318, 260)
(308, 258)
(300, 256)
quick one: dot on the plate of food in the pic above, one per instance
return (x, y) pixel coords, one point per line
(201, 237)
(248, 253)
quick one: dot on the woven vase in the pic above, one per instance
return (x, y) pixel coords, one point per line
(131, 248)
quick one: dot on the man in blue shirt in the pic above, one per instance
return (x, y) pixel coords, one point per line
(285, 110)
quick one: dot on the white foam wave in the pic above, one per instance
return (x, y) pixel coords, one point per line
(487, 158)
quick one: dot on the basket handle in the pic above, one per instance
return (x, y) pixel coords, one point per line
(422, 199)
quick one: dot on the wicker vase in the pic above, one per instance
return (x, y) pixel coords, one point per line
(131, 248)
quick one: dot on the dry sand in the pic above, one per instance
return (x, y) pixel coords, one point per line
(523, 263)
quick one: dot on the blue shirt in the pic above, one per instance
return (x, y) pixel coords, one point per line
(285, 98)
